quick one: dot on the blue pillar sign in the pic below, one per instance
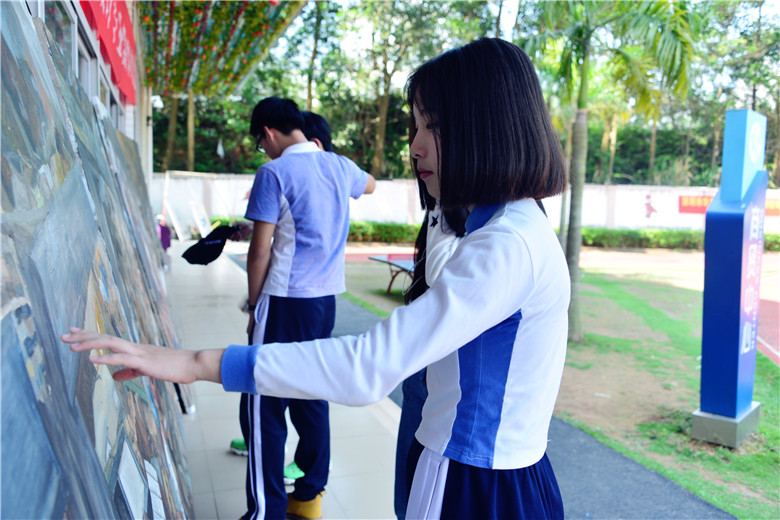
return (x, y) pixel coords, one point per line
(743, 152)
(733, 249)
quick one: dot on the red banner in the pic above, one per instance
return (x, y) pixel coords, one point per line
(699, 204)
(111, 20)
(773, 207)
(694, 204)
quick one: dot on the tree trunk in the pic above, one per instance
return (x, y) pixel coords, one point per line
(516, 27)
(757, 43)
(173, 114)
(776, 161)
(310, 74)
(579, 157)
(600, 172)
(190, 131)
(562, 226)
(378, 160)
(365, 135)
(498, 18)
(612, 149)
(565, 195)
(651, 167)
(715, 147)
(574, 239)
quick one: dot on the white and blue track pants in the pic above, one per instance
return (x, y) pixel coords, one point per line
(263, 423)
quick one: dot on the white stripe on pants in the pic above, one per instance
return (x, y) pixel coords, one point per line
(430, 477)
(255, 452)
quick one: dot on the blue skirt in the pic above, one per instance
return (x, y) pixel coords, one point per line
(447, 489)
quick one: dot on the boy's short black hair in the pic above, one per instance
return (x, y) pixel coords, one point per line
(278, 113)
(316, 126)
(495, 139)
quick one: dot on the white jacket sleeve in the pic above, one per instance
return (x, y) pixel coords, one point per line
(486, 280)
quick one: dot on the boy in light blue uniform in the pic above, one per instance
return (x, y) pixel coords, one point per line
(301, 200)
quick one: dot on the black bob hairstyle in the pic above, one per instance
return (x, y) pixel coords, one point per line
(278, 113)
(316, 126)
(495, 139)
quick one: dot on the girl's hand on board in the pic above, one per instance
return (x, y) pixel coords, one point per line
(168, 364)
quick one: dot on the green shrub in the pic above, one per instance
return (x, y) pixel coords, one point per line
(392, 232)
(643, 238)
(772, 242)
(225, 221)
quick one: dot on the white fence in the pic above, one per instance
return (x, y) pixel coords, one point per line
(194, 197)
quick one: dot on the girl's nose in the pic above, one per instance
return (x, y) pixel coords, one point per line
(417, 151)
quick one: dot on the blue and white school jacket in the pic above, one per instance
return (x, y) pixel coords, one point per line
(491, 329)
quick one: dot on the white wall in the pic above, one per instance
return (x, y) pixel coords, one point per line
(629, 206)
(635, 207)
(392, 201)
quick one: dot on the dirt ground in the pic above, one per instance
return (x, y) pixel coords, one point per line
(608, 389)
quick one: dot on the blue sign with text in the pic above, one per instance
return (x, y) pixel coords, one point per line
(733, 249)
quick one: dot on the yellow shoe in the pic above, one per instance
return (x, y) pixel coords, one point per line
(308, 510)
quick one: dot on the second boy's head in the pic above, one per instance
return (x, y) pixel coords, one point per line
(479, 108)
(281, 115)
(317, 129)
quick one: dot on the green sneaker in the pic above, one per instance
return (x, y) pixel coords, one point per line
(238, 447)
(292, 473)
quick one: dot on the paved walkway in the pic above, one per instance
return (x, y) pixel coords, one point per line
(205, 303)
(596, 481)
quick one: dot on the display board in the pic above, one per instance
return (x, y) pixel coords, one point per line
(79, 247)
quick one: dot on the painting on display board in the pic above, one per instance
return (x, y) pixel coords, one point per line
(77, 250)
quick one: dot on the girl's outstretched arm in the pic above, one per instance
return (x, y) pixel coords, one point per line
(169, 364)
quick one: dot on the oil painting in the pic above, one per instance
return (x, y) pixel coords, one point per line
(79, 247)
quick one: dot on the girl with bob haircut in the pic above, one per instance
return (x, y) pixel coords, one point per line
(491, 329)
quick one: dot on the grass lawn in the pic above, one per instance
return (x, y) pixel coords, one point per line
(634, 383)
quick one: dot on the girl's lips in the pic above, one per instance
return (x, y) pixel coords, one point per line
(424, 173)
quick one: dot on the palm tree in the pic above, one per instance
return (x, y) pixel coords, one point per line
(610, 104)
(634, 38)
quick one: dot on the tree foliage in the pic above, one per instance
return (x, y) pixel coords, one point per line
(732, 64)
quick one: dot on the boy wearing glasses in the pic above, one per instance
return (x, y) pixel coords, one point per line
(300, 199)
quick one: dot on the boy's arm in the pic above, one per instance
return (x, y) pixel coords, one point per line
(168, 364)
(370, 185)
(257, 261)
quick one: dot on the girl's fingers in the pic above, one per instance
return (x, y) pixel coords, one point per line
(126, 374)
(81, 340)
(81, 333)
(135, 359)
(78, 336)
(107, 359)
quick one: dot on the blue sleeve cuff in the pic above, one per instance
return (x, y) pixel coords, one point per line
(238, 367)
